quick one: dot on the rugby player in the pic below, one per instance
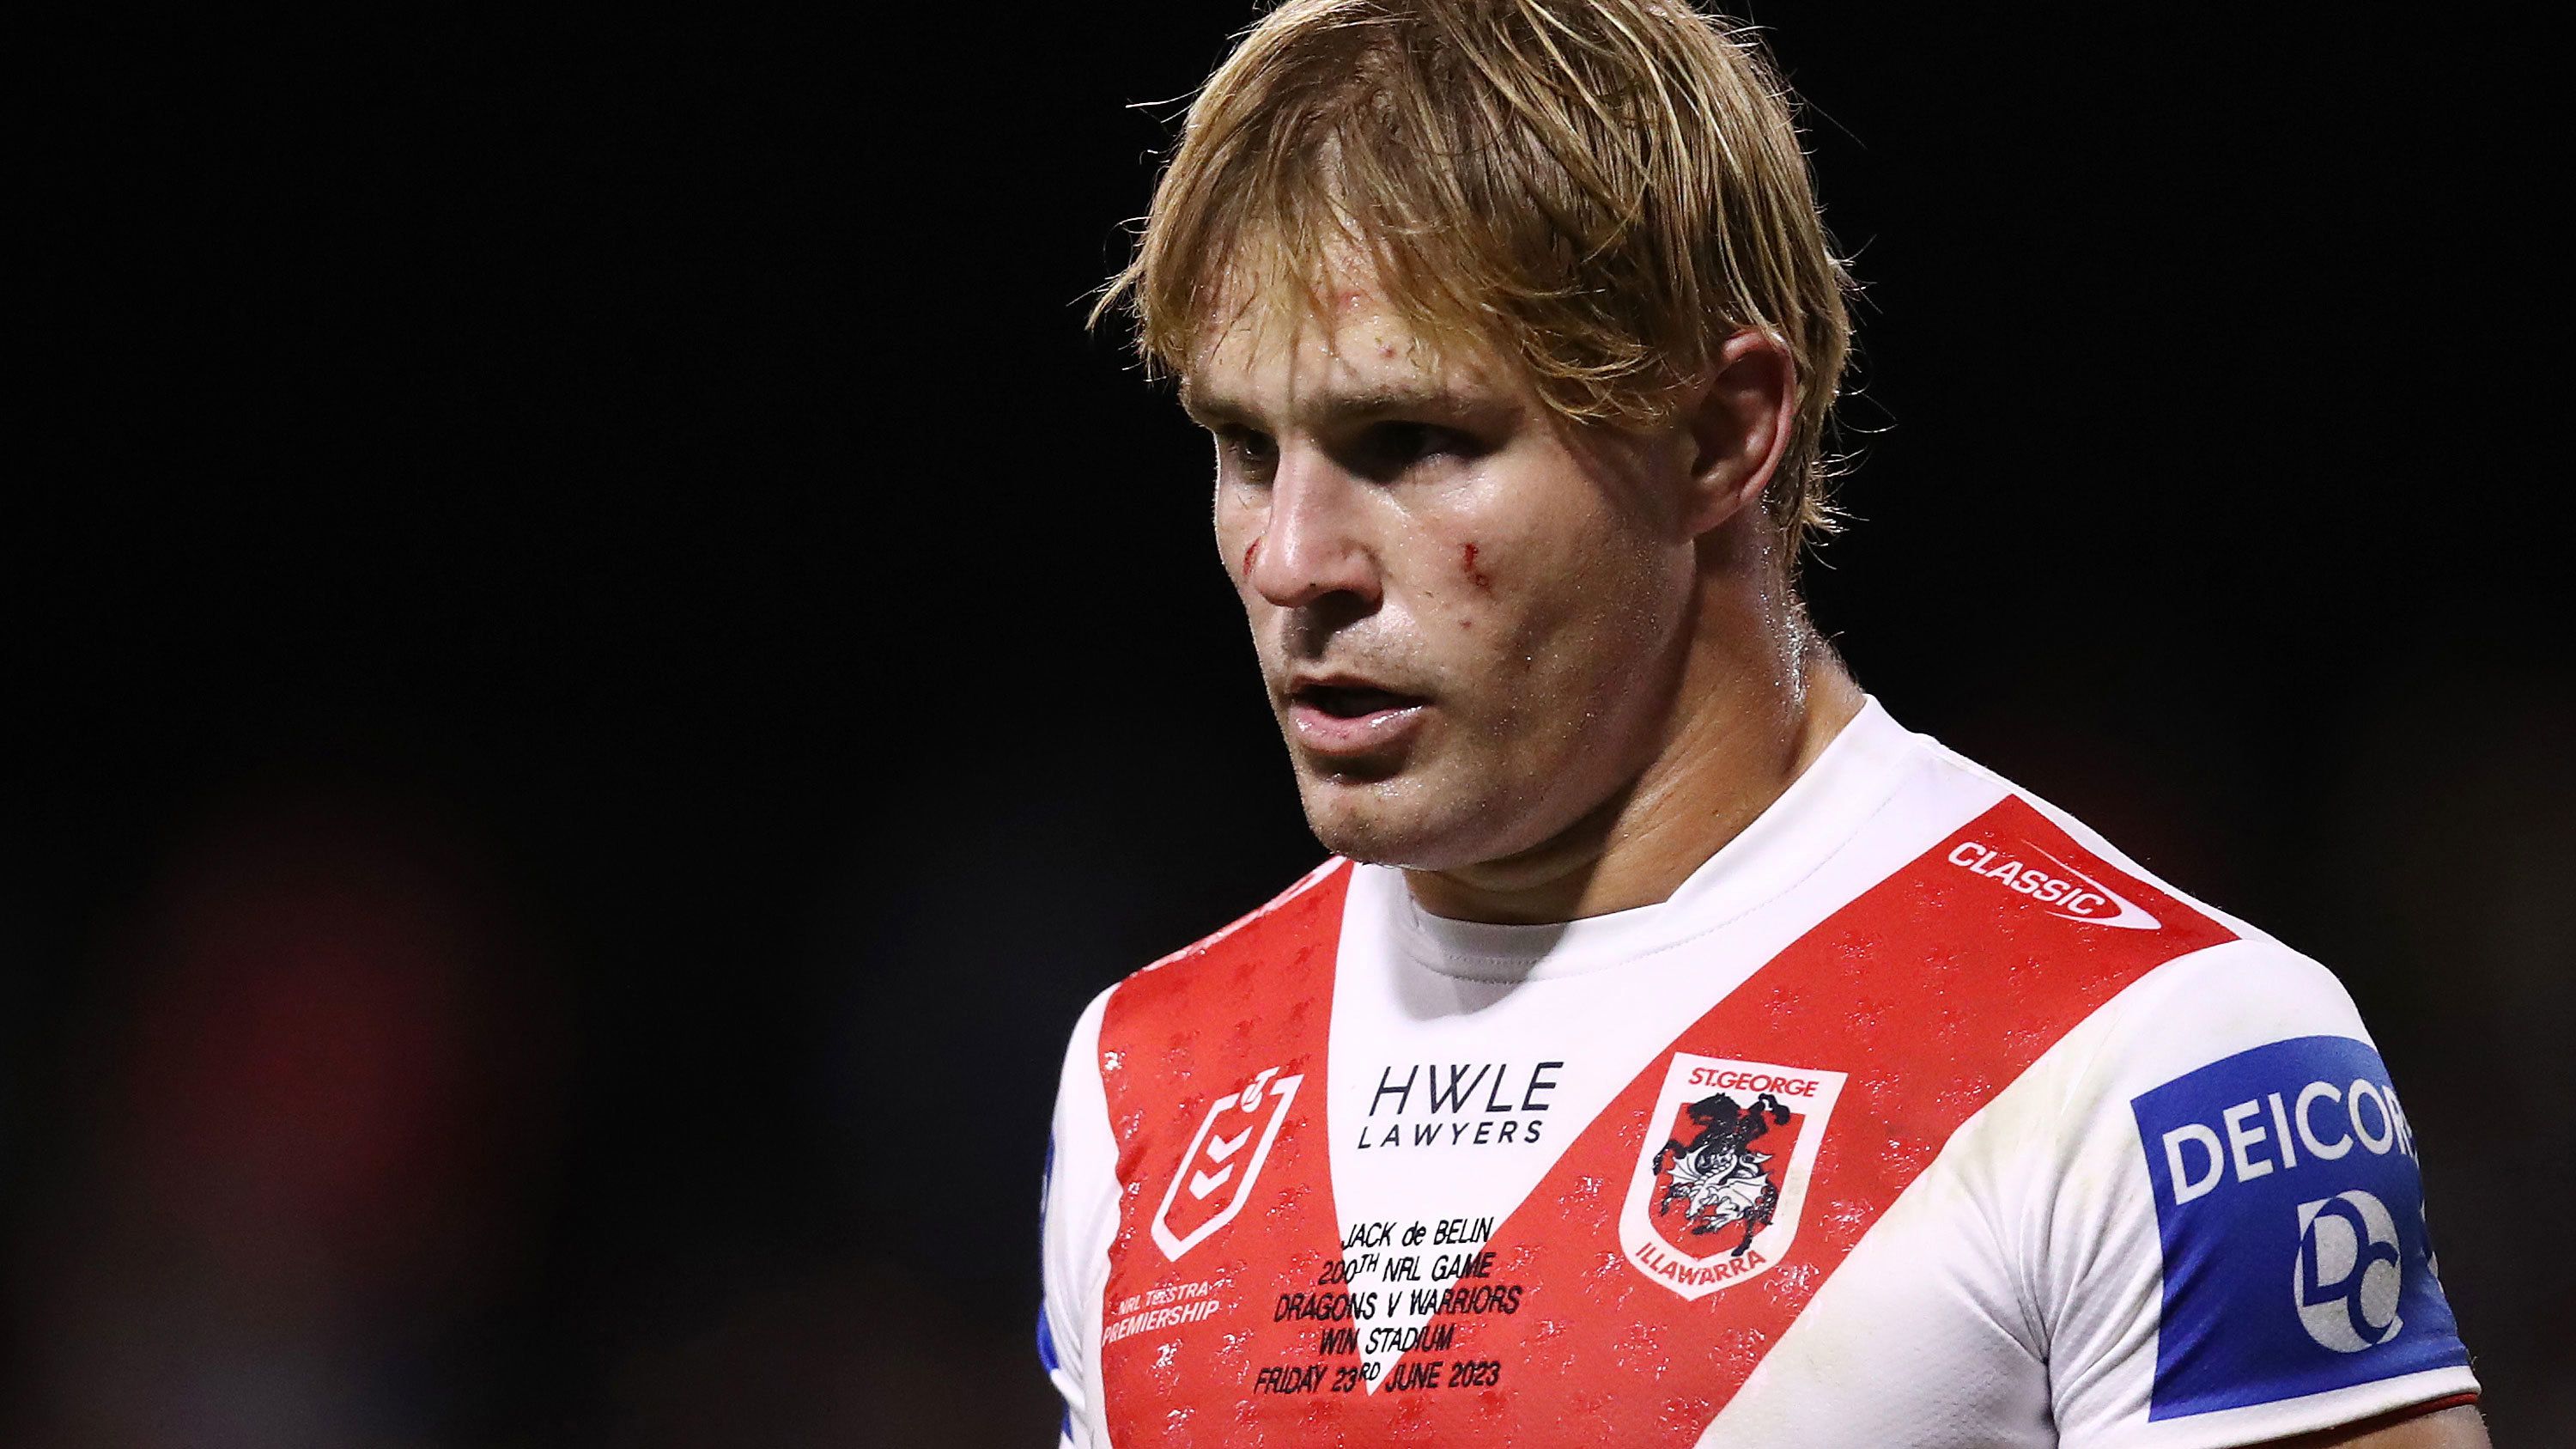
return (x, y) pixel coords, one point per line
(1675, 1049)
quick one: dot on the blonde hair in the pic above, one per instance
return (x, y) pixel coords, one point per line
(1605, 190)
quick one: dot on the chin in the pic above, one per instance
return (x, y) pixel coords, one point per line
(1395, 822)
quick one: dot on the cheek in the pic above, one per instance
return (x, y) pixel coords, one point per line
(1563, 633)
(1567, 590)
(1565, 559)
(1469, 558)
(1238, 536)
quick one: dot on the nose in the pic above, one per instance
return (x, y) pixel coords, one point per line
(1311, 547)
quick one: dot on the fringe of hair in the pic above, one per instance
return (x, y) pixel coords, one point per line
(1604, 191)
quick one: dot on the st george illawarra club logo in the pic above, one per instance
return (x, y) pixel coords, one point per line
(1215, 1177)
(1722, 1173)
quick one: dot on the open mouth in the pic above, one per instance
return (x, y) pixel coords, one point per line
(1351, 721)
(1352, 701)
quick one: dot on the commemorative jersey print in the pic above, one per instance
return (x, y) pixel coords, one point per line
(1671, 1242)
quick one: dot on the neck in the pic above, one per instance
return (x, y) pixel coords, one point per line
(1760, 696)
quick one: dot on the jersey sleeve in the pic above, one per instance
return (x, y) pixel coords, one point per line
(1078, 1216)
(2236, 1242)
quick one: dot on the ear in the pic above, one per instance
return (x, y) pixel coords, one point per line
(1739, 425)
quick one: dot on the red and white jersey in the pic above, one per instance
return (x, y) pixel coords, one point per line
(1918, 1115)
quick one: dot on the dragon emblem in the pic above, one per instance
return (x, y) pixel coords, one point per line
(1717, 1178)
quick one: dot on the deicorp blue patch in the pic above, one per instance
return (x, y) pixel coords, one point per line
(2292, 1218)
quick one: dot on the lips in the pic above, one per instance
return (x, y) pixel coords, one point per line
(1351, 701)
(1345, 715)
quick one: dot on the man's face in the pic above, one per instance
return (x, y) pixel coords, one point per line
(1470, 616)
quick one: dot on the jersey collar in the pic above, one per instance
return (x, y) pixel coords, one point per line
(1795, 837)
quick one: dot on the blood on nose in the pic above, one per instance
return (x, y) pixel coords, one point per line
(1251, 551)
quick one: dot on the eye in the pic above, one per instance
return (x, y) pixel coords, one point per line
(1247, 453)
(1395, 446)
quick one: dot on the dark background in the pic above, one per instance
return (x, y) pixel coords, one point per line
(602, 665)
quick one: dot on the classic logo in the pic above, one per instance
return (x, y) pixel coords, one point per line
(1722, 1172)
(1215, 1177)
(2059, 888)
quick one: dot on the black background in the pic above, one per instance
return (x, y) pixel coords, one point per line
(604, 665)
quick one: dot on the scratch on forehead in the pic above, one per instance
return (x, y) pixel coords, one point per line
(1271, 333)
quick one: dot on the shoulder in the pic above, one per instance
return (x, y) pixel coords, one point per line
(2237, 1236)
(2216, 978)
(1262, 982)
(1272, 968)
(2208, 1189)
(2241, 1061)
(2220, 986)
(1283, 948)
(2220, 1001)
(2169, 1002)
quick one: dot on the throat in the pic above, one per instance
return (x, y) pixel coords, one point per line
(1721, 771)
(1560, 879)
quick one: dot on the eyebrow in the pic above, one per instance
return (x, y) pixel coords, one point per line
(1357, 405)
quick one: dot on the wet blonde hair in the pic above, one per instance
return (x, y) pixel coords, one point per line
(1604, 191)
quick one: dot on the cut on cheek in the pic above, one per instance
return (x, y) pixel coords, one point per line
(1475, 575)
(1251, 551)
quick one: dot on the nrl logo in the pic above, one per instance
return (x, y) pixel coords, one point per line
(1722, 1173)
(1216, 1163)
